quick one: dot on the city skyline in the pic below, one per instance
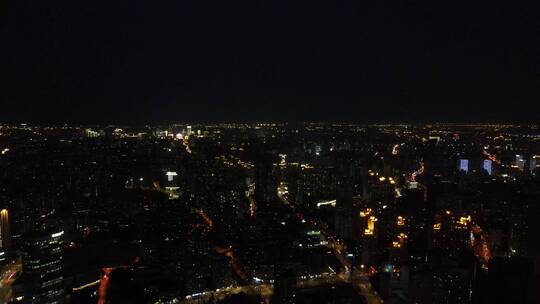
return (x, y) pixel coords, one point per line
(269, 152)
(308, 213)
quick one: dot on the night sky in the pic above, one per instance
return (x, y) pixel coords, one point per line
(161, 61)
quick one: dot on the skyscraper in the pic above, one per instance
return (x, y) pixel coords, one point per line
(43, 267)
(520, 162)
(345, 209)
(464, 165)
(265, 182)
(534, 163)
(487, 165)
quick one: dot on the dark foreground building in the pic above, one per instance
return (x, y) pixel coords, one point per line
(43, 267)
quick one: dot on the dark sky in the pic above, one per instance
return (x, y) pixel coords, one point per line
(133, 61)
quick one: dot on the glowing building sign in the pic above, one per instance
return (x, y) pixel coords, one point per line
(171, 175)
(58, 234)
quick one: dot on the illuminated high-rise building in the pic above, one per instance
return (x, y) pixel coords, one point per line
(43, 267)
(534, 163)
(487, 165)
(520, 162)
(464, 165)
(5, 236)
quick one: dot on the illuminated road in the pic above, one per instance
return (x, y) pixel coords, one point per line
(480, 246)
(209, 224)
(361, 282)
(358, 278)
(252, 204)
(420, 171)
(492, 157)
(9, 273)
(229, 252)
(104, 285)
(263, 290)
